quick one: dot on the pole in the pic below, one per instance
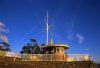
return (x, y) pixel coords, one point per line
(47, 27)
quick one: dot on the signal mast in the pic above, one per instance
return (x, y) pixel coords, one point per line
(47, 29)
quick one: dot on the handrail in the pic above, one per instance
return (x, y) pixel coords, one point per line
(47, 57)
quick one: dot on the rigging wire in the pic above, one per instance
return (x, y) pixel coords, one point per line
(34, 36)
(41, 38)
(26, 35)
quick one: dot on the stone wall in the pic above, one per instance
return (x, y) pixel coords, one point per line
(48, 65)
(9, 62)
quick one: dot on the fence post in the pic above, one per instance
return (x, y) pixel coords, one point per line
(51, 57)
(77, 58)
(14, 58)
(37, 57)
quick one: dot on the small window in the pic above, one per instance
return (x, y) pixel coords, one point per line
(57, 50)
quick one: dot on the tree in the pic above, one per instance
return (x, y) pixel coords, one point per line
(42, 50)
(4, 46)
(31, 47)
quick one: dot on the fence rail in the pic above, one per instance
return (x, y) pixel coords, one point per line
(78, 57)
(47, 57)
(42, 57)
(55, 57)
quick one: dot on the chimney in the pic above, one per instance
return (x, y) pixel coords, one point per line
(51, 42)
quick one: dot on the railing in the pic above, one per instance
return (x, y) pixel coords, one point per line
(47, 57)
(43, 57)
(55, 57)
(78, 57)
(10, 54)
(2, 53)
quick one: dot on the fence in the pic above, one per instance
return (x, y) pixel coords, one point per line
(43, 57)
(55, 57)
(47, 57)
(10, 54)
(2, 53)
(78, 57)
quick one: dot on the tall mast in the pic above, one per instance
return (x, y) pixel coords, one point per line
(47, 31)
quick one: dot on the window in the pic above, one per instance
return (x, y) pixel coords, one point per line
(57, 50)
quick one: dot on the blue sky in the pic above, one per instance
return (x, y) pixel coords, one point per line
(73, 22)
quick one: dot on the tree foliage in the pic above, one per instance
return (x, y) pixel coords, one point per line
(4, 46)
(31, 47)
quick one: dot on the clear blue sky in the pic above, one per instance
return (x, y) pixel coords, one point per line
(73, 22)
